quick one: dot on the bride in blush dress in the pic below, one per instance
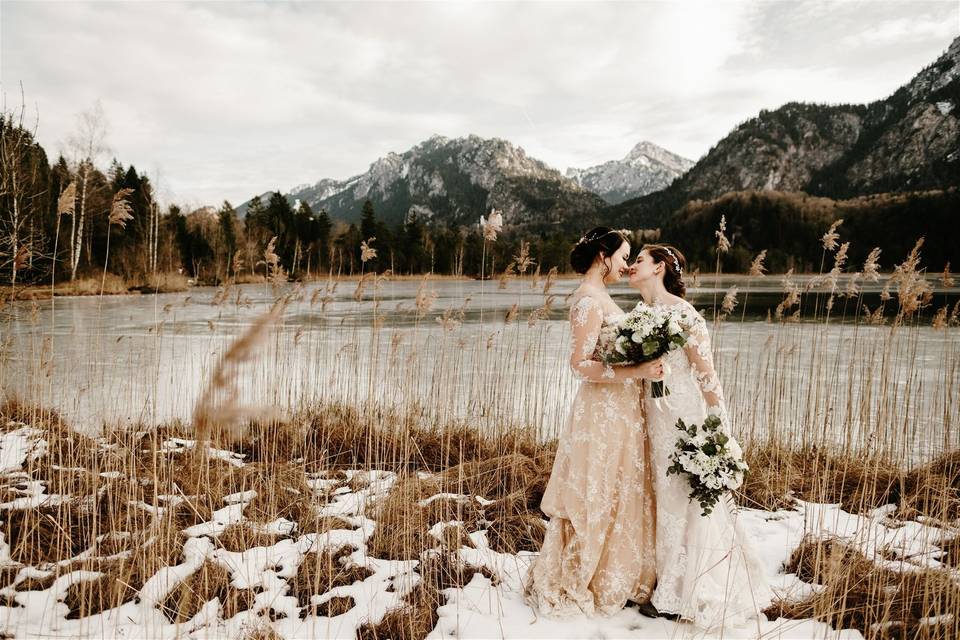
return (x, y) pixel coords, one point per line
(707, 570)
(598, 551)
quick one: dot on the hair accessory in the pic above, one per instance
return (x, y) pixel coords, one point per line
(676, 263)
(589, 238)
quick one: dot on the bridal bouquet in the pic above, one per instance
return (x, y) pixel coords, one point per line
(711, 459)
(645, 334)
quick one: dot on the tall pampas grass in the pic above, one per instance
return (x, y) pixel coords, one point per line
(120, 212)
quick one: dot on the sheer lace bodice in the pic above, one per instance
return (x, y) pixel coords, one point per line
(591, 330)
(707, 570)
(598, 551)
(689, 372)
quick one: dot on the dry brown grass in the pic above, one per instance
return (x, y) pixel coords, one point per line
(778, 475)
(859, 594)
(112, 285)
(240, 537)
(158, 547)
(52, 533)
(319, 572)
(262, 632)
(206, 583)
(335, 606)
(515, 483)
(418, 616)
(516, 532)
(36, 416)
(169, 282)
(339, 436)
(510, 468)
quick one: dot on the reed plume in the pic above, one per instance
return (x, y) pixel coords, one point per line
(756, 267)
(829, 239)
(522, 261)
(120, 209)
(219, 409)
(871, 266)
(723, 243)
(367, 252)
(67, 201)
(913, 290)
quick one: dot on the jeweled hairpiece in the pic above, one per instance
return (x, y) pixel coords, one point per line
(590, 238)
(676, 263)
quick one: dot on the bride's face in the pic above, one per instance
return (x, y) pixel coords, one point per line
(643, 269)
(618, 263)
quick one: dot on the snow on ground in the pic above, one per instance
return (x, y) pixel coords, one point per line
(480, 609)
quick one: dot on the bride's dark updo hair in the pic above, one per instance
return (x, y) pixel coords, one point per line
(674, 264)
(599, 240)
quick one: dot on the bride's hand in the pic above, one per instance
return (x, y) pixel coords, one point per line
(652, 370)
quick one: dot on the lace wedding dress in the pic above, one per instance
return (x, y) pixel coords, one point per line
(707, 570)
(598, 551)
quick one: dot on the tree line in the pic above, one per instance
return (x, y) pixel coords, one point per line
(789, 227)
(74, 218)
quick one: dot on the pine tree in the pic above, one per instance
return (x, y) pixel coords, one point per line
(369, 228)
(368, 221)
(280, 222)
(323, 227)
(227, 223)
(303, 231)
(412, 246)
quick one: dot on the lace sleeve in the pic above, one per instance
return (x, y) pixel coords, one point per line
(586, 320)
(700, 355)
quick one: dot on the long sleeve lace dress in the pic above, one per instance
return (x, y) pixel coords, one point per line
(707, 570)
(599, 546)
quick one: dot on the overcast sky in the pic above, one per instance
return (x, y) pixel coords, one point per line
(227, 99)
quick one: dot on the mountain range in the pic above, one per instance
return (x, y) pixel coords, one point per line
(454, 181)
(907, 141)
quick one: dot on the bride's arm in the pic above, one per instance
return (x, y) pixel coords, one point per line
(700, 354)
(586, 319)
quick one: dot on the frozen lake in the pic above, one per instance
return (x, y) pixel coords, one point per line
(145, 358)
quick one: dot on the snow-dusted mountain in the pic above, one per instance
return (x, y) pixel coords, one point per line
(454, 181)
(908, 141)
(647, 168)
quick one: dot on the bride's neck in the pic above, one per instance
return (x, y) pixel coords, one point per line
(653, 291)
(594, 279)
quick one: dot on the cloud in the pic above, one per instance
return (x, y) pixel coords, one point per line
(231, 99)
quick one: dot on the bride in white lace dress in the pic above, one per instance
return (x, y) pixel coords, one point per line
(707, 571)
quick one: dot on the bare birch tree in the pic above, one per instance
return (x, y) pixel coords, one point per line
(87, 145)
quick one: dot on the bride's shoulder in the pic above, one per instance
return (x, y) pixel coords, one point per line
(691, 314)
(585, 301)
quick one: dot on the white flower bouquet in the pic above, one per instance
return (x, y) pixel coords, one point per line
(645, 334)
(712, 460)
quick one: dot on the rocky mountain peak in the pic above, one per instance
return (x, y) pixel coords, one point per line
(938, 75)
(646, 168)
(646, 153)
